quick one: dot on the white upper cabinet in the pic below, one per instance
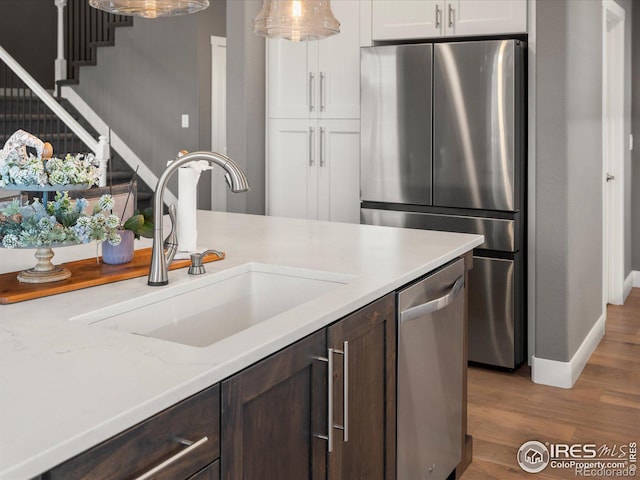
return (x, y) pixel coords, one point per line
(317, 79)
(407, 19)
(485, 17)
(398, 19)
(289, 80)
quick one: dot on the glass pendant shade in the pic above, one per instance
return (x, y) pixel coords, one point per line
(150, 8)
(296, 20)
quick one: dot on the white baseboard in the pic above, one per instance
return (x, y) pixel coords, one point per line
(145, 174)
(636, 278)
(565, 374)
(627, 286)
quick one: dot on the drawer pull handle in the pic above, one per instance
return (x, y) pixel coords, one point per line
(173, 459)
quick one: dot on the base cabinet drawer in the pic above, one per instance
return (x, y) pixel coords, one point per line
(175, 444)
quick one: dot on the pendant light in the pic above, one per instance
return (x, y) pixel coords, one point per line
(296, 20)
(150, 8)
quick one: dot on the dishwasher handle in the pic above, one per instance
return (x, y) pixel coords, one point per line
(432, 305)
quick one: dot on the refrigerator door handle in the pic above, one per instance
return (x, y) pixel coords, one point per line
(433, 305)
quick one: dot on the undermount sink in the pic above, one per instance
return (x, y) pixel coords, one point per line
(209, 309)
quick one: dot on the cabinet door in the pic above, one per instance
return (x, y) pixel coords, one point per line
(271, 414)
(338, 69)
(400, 19)
(484, 17)
(339, 170)
(292, 176)
(368, 337)
(291, 79)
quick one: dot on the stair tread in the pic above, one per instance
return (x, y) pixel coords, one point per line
(81, 63)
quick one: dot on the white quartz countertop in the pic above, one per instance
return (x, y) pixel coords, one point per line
(66, 386)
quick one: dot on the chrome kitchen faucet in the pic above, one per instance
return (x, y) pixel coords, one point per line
(235, 178)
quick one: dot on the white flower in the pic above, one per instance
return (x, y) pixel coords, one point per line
(112, 221)
(114, 238)
(58, 178)
(105, 202)
(10, 241)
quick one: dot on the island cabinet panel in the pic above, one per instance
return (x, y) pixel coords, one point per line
(155, 441)
(273, 415)
(368, 337)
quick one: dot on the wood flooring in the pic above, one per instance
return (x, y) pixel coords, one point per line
(507, 409)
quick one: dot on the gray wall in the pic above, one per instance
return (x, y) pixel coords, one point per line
(28, 33)
(157, 71)
(246, 103)
(568, 176)
(635, 163)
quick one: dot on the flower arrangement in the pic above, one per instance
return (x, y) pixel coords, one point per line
(60, 221)
(33, 171)
(73, 170)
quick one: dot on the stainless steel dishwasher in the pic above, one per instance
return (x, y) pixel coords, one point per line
(430, 374)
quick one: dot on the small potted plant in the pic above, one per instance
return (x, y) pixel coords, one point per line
(140, 224)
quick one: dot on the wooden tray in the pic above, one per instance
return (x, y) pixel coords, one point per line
(85, 273)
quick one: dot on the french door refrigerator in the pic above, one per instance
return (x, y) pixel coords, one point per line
(443, 148)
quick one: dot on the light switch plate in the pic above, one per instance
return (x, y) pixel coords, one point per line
(185, 120)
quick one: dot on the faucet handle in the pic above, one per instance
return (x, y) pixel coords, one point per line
(196, 267)
(170, 243)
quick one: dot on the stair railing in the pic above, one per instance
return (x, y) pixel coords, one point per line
(61, 61)
(82, 28)
(24, 83)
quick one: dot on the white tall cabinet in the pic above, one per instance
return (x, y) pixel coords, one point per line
(313, 123)
(313, 96)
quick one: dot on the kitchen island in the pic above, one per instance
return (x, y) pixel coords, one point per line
(67, 385)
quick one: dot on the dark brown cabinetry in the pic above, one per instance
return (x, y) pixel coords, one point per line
(160, 442)
(210, 472)
(272, 413)
(279, 414)
(365, 447)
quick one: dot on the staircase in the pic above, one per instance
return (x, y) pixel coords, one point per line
(87, 30)
(20, 108)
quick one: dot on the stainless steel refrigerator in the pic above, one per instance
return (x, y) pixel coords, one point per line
(443, 148)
